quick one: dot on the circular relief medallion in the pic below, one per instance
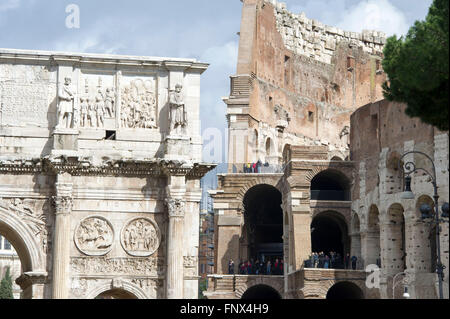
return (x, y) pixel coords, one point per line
(140, 237)
(94, 236)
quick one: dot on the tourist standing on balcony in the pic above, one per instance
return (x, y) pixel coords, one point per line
(231, 267)
(268, 268)
(326, 262)
(321, 259)
(258, 166)
(354, 260)
(316, 260)
(249, 267)
(347, 261)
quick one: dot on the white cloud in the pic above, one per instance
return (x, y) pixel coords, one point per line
(222, 56)
(378, 15)
(6, 5)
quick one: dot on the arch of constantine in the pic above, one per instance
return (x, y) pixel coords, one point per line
(100, 168)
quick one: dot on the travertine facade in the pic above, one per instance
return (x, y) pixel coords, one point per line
(380, 134)
(99, 190)
(297, 85)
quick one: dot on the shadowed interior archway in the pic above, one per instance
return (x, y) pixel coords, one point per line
(329, 232)
(116, 294)
(263, 229)
(261, 292)
(330, 185)
(345, 290)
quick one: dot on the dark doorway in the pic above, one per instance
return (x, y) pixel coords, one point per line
(261, 292)
(116, 294)
(264, 222)
(345, 290)
(330, 185)
(329, 233)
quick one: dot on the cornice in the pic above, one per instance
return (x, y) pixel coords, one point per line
(76, 166)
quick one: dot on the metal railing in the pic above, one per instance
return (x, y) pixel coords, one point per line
(260, 169)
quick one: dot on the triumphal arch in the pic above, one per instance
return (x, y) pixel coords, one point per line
(100, 167)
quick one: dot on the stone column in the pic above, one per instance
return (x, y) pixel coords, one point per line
(61, 242)
(176, 205)
(32, 285)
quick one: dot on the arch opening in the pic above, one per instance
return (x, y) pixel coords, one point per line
(373, 254)
(329, 234)
(9, 260)
(116, 294)
(395, 233)
(261, 292)
(356, 239)
(345, 290)
(263, 229)
(17, 248)
(330, 185)
(286, 153)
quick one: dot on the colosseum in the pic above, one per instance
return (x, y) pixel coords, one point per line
(313, 203)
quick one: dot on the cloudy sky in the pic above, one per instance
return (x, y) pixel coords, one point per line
(202, 29)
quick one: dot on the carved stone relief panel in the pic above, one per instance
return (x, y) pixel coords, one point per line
(150, 266)
(94, 236)
(140, 237)
(37, 223)
(139, 102)
(190, 266)
(97, 100)
(27, 95)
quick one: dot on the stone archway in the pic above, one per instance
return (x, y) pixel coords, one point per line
(116, 294)
(261, 292)
(329, 232)
(372, 237)
(117, 290)
(330, 184)
(263, 223)
(355, 235)
(23, 239)
(345, 290)
(393, 240)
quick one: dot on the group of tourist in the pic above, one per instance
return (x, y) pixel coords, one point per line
(331, 260)
(251, 267)
(253, 167)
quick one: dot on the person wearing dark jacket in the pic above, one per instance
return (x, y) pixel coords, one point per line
(354, 260)
(347, 261)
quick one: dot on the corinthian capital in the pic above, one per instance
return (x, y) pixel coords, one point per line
(62, 204)
(176, 207)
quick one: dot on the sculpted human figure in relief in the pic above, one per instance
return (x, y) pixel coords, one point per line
(65, 105)
(177, 114)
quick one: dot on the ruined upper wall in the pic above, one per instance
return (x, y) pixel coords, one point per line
(380, 133)
(312, 38)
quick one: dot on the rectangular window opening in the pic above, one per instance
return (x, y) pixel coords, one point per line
(110, 135)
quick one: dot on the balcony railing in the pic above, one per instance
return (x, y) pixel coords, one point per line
(261, 169)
